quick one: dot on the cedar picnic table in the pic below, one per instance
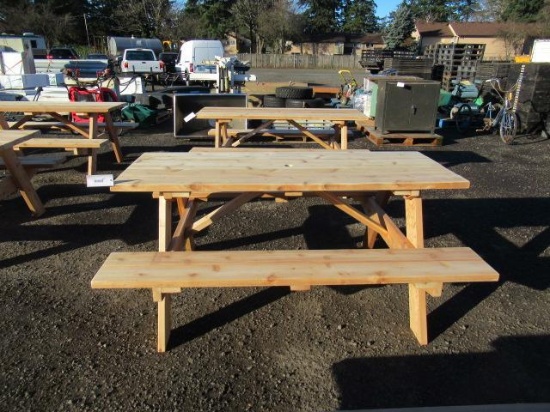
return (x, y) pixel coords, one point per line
(241, 175)
(244, 175)
(57, 109)
(18, 178)
(337, 117)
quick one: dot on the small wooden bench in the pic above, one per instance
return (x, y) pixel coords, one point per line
(76, 145)
(277, 134)
(59, 125)
(424, 270)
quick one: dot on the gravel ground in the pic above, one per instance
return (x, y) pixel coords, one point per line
(69, 348)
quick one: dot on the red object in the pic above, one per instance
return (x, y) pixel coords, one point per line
(97, 94)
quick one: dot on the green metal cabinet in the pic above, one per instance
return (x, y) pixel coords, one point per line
(406, 106)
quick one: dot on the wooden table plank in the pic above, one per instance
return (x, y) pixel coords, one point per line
(277, 267)
(59, 107)
(285, 171)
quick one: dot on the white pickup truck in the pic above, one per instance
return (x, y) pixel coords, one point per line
(140, 61)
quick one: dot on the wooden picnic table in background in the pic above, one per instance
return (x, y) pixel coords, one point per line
(338, 118)
(57, 111)
(18, 178)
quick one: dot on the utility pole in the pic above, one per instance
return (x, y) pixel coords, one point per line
(87, 34)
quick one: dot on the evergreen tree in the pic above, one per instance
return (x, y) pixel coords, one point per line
(359, 16)
(322, 16)
(522, 11)
(400, 27)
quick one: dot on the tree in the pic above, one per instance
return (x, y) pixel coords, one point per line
(145, 18)
(246, 14)
(430, 10)
(522, 11)
(279, 24)
(400, 27)
(359, 16)
(321, 16)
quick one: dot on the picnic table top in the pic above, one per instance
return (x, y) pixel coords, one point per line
(281, 170)
(280, 113)
(58, 107)
(10, 138)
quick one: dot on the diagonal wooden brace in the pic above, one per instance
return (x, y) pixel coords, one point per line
(248, 135)
(309, 134)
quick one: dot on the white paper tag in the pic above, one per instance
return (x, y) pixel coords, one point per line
(99, 180)
(189, 117)
(400, 84)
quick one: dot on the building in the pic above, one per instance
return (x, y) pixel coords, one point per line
(338, 44)
(502, 41)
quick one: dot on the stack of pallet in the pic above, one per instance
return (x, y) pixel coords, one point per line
(460, 61)
(533, 103)
(408, 66)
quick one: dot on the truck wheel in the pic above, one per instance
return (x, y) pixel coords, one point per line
(273, 101)
(294, 92)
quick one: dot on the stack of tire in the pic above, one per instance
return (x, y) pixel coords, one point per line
(293, 96)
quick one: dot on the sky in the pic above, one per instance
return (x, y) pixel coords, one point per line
(385, 7)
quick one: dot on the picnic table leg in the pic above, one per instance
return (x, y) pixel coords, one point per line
(418, 317)
(217, 137)
(163, 298)
(413, 220)
(165, 223)
(22, 182)
(92, 134)
(344, 136)
(3, 123)
(113, 136)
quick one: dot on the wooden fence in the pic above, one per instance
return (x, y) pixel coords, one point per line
(301, 61)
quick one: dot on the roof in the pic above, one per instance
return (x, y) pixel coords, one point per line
(433, 29)
(478, 29)
(464, 29)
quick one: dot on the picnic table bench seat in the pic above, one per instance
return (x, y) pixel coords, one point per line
(166, 273)
(277, 134)
(78, 146)
(63, 126)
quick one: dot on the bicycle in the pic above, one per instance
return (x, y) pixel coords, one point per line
(502, 117)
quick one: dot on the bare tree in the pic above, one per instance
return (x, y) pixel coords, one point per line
(146, 18)
(279, 24)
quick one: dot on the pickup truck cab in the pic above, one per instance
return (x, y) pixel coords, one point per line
(143, 61)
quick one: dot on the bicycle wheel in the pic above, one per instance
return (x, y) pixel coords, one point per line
(463, 117)
(508, 126)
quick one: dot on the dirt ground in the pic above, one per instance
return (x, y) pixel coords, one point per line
(66, 347)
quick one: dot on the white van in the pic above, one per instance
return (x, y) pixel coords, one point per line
(196, 53)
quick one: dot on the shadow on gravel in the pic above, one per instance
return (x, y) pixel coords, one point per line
(491, 228)
(450, 159)
(225, 315)
(92, 222)
(516, 371)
